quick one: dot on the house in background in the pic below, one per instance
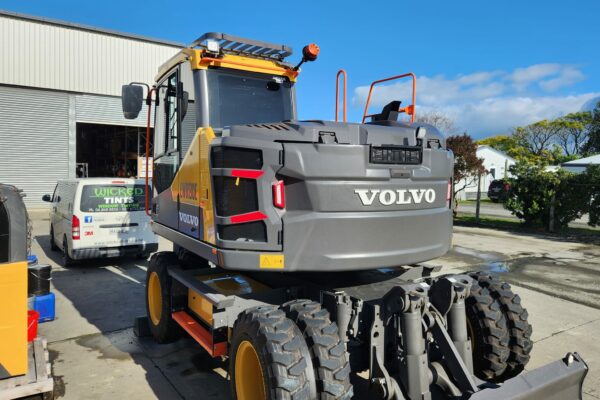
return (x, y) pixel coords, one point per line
(580, 165)
(497, 165)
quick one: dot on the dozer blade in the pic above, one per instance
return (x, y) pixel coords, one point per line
(560, 380)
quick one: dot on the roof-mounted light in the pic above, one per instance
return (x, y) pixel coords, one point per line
(212, 46)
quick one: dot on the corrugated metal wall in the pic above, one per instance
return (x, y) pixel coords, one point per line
(55, 57)
(106, 110)
(34, 140)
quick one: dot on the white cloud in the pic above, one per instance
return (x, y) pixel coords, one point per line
(489, 102)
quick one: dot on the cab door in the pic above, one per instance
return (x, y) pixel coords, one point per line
(167, 154)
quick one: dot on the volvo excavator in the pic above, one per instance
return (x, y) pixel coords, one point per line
(298, 245)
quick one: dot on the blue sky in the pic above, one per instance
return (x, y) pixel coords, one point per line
(488, 65)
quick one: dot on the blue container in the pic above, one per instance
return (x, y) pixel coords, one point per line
(32, 259)
(45, 305)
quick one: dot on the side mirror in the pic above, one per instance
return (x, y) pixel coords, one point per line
(47, 198)
(132, 98)
(185, 98)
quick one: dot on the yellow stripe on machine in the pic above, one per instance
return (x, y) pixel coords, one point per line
(271, 261)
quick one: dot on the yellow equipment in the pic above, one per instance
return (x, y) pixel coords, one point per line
(13, 283)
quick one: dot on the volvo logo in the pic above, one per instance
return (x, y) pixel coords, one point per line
(188, 219)
(400, 196)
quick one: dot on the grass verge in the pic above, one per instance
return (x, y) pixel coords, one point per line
(510, 224)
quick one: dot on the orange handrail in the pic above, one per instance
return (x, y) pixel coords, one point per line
(410, 110)
(337, 93)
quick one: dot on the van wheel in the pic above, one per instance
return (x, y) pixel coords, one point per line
(53, 245)
(66, 259)
(189, 260)
(158, 298)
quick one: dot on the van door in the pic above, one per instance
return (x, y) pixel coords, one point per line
(53, 214)
(112, 215)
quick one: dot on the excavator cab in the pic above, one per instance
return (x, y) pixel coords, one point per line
(247, 186)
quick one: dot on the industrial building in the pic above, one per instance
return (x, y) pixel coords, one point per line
(60, 105)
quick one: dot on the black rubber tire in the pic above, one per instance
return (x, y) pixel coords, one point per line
(282, 352)
(189, 260)
(519, 328)
(67, 261)
(328, 351)
(53, 245)
(167, 330)
(488, 331)
(142, 256)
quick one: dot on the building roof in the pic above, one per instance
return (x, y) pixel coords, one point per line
(87, 28)
(485, 146)
(583, 162)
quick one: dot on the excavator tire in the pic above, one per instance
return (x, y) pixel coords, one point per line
(519, 328)
(328, 351)
(268, 357)
(488, 331)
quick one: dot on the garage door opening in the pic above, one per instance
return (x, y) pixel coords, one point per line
(110, 150)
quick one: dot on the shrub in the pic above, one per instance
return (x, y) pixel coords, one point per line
(593, 180)
(534, 192)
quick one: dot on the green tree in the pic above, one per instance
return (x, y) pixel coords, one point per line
(510, 145)
(592, 146)
(467, 166)
(572, 132)
(538, 137)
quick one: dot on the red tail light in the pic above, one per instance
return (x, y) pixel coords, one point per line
(449, 193)
(279, 195)
(75, 228)
(506, 186)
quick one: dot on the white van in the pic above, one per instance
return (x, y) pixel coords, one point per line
(100, 217)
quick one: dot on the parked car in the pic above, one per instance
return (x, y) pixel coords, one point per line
(498, 190)
(100, 217)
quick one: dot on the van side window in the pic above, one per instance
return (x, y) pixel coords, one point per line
(166, 133)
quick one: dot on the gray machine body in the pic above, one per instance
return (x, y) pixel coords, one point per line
(343, 210)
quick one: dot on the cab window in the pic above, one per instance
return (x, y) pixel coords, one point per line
(166, 133)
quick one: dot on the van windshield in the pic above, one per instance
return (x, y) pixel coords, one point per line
(113, 198)
(238, 97)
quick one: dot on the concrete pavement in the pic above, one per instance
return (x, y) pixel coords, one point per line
(96, 356)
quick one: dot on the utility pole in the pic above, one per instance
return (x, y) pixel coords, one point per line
(478, 197)
(551, 219)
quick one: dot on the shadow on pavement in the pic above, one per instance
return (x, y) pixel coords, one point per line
(109, 294)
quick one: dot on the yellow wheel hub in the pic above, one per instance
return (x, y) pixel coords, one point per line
(249, 383)
(154, 298)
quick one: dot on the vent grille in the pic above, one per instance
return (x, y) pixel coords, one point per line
(250, 231)
(277, 127)
(236, 157)
(235, 195)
